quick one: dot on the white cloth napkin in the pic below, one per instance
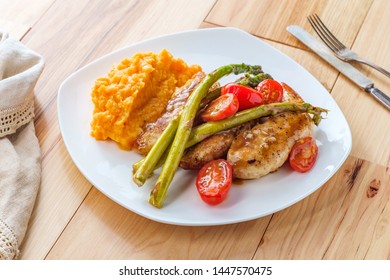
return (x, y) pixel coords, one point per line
(20, 167)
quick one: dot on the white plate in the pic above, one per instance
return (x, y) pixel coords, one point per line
(109, 168)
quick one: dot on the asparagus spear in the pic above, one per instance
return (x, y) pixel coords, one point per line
(159, 191)
(146, 167)
(139, 177)
(205, 130)
(253, 80)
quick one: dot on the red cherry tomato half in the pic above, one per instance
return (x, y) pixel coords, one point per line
(214, 181)
(247, 97)
(221, 108)
(271, 90)
(303, 154)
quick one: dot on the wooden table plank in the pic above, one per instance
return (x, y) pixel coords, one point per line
(368, 120)
(14, 29)
(269, 19)
(17, 19)
(125, 235)
(336, 222)
(366, 211)
(326, 76)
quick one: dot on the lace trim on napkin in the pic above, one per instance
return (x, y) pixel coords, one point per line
(13, 118)
(8, 243)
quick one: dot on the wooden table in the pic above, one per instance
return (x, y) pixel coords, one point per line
(347, 218)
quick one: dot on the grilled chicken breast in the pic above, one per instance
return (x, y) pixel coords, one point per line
(152, 131)
(213, 147)
(209, 149)
(266, 146)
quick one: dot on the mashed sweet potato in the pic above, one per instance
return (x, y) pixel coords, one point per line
(134, 93)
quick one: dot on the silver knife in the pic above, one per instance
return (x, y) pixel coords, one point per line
(348, 70)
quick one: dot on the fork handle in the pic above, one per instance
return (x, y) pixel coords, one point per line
(373, 65)
(380, 96)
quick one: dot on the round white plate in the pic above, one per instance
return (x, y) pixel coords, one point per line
(108, 168)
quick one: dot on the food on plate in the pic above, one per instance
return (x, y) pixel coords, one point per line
(214, 181)
(233, 129)
(271, 91)
(247, 96)
(214, 137)
(136, 92)
(143, 169)
(207, 131)
(303, 154)
(152, 131)
(185, 126)
(213, 147)
(221, 108)
(177, 116)
(266, 146)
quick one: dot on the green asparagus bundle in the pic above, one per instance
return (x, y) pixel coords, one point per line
(205, 130)
(143, 171)
(187, 117)
(180, 134)
(144, 168)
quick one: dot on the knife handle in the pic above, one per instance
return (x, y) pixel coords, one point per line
(380, 96)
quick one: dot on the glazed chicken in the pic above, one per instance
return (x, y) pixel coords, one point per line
(213, 147)
(255, 148)
(266, 146)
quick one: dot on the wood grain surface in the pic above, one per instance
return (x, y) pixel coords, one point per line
(347, 218)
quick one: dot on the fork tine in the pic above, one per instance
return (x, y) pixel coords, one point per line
(320, 33)
(329, 33)
(324, 33)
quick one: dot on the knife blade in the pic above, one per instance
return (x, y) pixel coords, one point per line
(348, 70)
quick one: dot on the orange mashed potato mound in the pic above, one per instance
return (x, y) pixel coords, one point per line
(134, 93)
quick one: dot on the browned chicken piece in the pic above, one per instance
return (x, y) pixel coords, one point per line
(265, 147)
(174, 107)
(209, 149)
(213, 147)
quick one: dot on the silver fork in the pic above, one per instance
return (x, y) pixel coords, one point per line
(339, 49)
